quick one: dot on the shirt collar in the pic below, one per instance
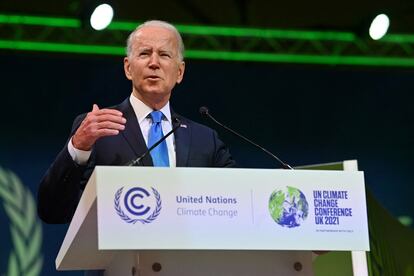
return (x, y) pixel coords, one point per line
(142, 110)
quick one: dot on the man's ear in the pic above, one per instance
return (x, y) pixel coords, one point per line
(127, 68)
(181, 69)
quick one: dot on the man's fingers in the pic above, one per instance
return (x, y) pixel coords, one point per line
(106, 132)
(110, 118)
(110, 125)
(102, 116)
(108, 111)
(97, 111)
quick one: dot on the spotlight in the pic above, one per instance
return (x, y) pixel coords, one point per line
(101, 17)
(379, 26)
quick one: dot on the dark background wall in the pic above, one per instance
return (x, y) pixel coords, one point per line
(304, 114)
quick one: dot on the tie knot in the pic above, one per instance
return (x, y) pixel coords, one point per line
(156, 116)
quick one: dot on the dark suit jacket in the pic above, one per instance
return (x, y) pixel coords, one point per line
(61, 187)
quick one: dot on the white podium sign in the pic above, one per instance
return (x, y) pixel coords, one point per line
(230, 209)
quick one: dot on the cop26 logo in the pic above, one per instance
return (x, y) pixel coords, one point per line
(139, 205)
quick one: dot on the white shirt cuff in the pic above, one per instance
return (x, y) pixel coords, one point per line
(79, 156)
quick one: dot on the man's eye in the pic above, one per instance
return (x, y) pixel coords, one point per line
(165, 55)
(143, 54)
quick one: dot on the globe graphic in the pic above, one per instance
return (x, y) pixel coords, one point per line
(288, 207)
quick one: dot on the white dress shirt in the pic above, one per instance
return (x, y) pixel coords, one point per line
(142, 112)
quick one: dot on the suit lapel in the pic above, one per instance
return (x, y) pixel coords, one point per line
(133, 134)
(182, 142)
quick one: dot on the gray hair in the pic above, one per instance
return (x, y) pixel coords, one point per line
(157, 23)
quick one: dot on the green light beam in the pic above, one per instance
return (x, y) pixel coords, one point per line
(40, 21)
(204, 30)
(213, 55)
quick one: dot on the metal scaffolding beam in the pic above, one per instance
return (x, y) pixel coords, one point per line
(67, 35)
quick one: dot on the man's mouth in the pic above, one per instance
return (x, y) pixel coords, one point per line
(153, 77)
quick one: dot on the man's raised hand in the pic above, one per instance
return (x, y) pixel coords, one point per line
(98, 123)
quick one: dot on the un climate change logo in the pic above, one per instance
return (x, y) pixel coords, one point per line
(25, 257)
(140, 205)
(288, 207)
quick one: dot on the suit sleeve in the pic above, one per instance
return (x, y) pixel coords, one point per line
(61, 187)
(222, 156)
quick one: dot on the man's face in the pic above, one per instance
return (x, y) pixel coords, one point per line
(153, 65)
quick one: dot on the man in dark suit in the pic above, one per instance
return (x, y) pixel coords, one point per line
(117, 135)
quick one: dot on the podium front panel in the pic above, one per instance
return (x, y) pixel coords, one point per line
(148, 208)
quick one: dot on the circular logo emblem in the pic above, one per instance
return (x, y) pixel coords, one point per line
(288, 207)
(140, 205)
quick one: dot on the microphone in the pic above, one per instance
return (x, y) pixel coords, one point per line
(137, 161)
(204, 111)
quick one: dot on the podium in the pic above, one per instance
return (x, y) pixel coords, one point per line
(208, 221)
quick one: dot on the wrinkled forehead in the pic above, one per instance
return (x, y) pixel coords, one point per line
(155, 37)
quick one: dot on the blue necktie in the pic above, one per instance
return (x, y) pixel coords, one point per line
(160, 153)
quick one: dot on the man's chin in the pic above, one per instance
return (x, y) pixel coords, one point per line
(156, 95)
(157, 92)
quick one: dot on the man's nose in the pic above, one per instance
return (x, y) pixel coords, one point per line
(154, 61)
